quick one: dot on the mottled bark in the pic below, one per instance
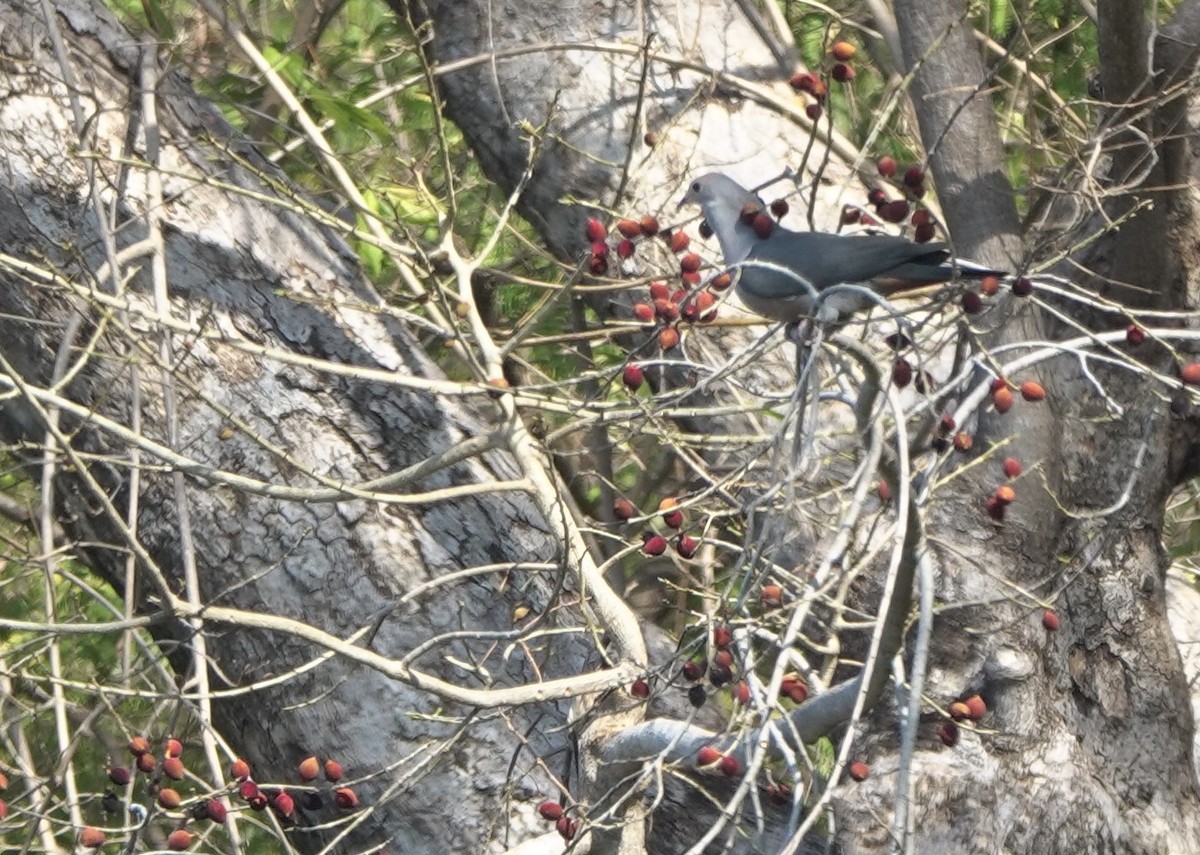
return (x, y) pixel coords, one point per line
(246, 275)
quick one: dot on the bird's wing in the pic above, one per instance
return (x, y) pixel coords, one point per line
(825, 260)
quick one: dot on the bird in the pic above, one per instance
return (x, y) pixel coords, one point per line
(784, 275)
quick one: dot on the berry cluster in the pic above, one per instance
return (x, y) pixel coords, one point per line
(162, 785)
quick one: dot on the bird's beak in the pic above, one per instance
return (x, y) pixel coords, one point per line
(686, 200)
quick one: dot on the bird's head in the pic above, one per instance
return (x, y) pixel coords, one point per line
(716, 190)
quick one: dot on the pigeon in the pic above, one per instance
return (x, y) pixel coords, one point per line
(792, 276)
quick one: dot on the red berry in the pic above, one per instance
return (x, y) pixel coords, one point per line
(694, 669)
(1005, 494)
(655, 544)
(668, 338)
(169, 798)
(763, 225)
(629, 228)
(679, 241)
(842, 73)
(901, 372)
(730, 766)
(884, 491)
(173, 748)
(925, 233)
(947, 424)
(876, 197)
(989, 285)
(779, 794)
(216, 811)
(146, 763)
(803, 81)
(913, 176)
(550, 810)
(598, 265)
(963, 441)
(258, 801)
(173, 768)
(721, 281)
(139, 745)
(959, 711)
(690, 263)
(644, 312)
(895, 211)
(722, 659)
(623, 509)
(1135, 335)
(1191, 373)
(722, 636)
(648, 225)
(633, 377)
(886, 166)
(566, 827)
(813, 111)
(741, 693)
(639, 689)
(948, 733)
(625, 249)
(119, 775)
(708, 756)
(333, 771)
(1050, 620)
(345, 798)
(921, 217)
(666, 310)
(850, 215)
(859, 771)
(595, 231)
(1012, 467)
(686, 545)
(659, 291)
(995, 508)
(977, 707)
(972, 303)
(247, 790)
(1002, 399)
(1022, 287)
(284, 805)
(779, 208)
(771, 596)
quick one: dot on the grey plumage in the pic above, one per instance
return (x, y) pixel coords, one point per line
(780, 276)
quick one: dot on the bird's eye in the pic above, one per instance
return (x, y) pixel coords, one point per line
(695, 186)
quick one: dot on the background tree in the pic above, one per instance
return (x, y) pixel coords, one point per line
(383, 530)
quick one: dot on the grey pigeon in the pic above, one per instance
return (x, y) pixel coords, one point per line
(780, 276)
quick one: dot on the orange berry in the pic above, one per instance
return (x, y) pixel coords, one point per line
(1031, 390)
(179, 840)
(308, 769)
(843, 51)
(859, 770)
(91, 838)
